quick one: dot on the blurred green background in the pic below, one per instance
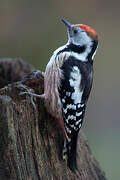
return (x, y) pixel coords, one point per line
(32, 30)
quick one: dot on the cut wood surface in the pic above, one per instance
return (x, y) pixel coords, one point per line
(30, 142)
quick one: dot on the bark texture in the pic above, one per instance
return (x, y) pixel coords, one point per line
(30, 142)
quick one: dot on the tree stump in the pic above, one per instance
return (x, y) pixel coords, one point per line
(30, 142)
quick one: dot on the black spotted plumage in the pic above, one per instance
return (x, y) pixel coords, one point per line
(73, 124)
(86, 70)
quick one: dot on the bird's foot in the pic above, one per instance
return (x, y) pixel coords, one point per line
(31, 94)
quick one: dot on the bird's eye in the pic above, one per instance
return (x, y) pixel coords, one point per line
(75, 31)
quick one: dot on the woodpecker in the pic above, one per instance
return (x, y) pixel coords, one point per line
(68, 82)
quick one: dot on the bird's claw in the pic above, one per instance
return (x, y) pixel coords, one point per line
(32, 95)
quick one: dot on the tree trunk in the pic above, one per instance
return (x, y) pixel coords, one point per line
(30, 142)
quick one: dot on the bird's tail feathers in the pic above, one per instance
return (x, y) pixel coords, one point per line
(70, 152)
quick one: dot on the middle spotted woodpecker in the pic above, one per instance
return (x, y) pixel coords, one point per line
(67, 84)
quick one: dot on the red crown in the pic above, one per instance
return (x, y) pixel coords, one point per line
(88, 30)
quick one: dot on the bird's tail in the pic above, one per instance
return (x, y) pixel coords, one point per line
(69, 153)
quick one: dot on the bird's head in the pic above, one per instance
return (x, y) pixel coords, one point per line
(83, 36)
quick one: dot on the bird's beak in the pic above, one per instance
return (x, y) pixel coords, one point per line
(69, 29)
(68, 25)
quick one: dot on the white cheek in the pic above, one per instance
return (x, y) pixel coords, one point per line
(84, 39)
(81, 39)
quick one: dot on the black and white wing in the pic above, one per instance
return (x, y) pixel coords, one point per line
(74, 91)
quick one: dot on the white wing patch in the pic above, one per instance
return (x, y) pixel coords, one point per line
(75, 80)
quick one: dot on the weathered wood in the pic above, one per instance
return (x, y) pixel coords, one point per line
(31, 143)
(13, 70)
